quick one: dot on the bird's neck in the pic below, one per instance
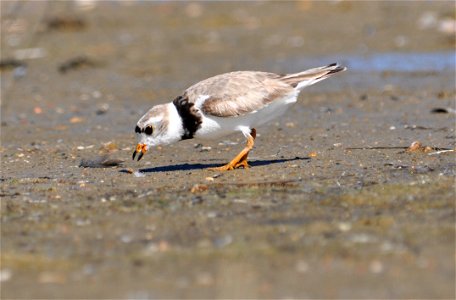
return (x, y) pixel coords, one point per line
(175, 125)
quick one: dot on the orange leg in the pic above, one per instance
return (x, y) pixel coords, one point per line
(241, 159)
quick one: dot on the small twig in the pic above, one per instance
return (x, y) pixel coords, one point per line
(375, 148)
(264, 183)
(441, 151)
(392, 147)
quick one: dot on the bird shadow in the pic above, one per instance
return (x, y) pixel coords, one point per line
(192, 167)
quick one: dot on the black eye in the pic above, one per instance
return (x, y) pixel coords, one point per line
(148, 130)
(137, 129)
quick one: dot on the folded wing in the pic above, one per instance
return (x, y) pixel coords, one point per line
(239, 93)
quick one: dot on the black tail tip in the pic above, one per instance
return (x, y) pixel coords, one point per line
(335, 68)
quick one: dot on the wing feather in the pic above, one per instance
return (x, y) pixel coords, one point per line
(237, 93)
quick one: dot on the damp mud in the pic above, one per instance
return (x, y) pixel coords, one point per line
(337, 203)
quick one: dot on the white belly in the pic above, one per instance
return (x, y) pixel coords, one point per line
(214, 127)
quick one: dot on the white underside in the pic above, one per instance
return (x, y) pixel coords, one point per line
(214, 127)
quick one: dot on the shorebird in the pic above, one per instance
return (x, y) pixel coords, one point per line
(231, 102)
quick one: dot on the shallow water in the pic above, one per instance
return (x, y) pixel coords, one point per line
(387, 61)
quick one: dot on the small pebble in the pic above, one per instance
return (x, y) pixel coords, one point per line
(211, 214)
(447, 26)
(361, 238)
(75, 120)
(102, 109)
(51, 277)
(198, 188)
(5, 275)
(194, 10)
(163, 246)
(376, 267)
(344, 226)
(204, 279)
(427, 20)
(126, 238)
(302, 266)
(223, 241)
(96, 94)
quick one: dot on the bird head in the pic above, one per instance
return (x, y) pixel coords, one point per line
(154, 129)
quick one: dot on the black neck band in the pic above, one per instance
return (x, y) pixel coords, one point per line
(191, 118)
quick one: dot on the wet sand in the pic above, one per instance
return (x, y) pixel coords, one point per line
(333, 206)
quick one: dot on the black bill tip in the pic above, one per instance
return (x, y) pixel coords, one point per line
(134, 154)
(140, 156)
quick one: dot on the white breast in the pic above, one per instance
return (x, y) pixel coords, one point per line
(214, 127)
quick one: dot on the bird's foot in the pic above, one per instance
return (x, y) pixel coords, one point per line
(231, 166)
(243, 164)
(226, 167)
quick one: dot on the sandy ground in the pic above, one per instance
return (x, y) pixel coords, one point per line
(333, 206)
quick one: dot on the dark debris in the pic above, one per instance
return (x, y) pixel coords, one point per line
(10, 64)
(76, 63)
(100, 162)
(65, 23)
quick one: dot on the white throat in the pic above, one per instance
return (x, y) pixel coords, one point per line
(175, 127)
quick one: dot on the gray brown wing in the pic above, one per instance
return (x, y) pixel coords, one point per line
(238, 93)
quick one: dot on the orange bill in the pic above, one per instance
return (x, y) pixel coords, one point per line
(141, 149)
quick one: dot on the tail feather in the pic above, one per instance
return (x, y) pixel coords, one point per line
(311, 76)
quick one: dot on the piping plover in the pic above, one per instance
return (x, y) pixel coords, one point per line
(223, 104)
